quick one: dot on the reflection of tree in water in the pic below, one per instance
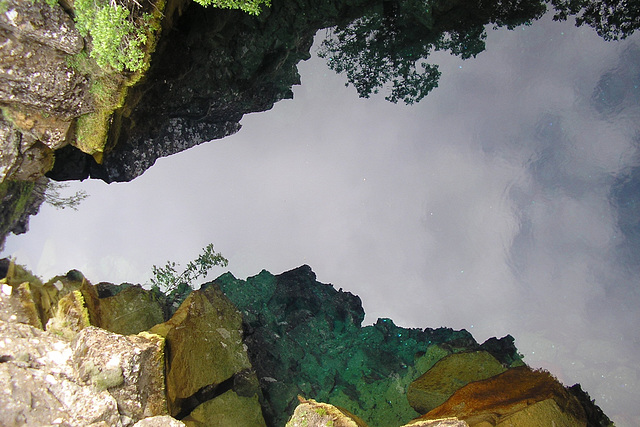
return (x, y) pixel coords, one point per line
(389, 45)
(612, 19)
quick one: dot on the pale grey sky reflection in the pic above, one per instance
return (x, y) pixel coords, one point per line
(493, 205)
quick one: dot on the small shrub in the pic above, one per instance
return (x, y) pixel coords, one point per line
(118, 38)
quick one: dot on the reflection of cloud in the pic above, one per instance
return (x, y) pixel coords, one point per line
(625, 198)
(576, 251)
(619, 88)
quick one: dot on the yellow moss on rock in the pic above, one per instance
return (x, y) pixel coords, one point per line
(71, 316)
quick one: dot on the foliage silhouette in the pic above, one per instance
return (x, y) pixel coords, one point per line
(388, 46)
(612, 19)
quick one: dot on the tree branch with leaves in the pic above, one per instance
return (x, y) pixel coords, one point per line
(167, 278)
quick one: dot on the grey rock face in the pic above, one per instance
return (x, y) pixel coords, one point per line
(39, 386)
(130, 367)
(40, 94)
(100, 378)
(41, 23)
(209, 69)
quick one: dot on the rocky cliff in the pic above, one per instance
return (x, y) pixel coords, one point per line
(210, 68)
(243, 353)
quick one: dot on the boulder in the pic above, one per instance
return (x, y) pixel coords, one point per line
(206, 355)
(498, 399)
(130, 368)
(39, 92)
(40, 385)
(317, 414)
(449, 374)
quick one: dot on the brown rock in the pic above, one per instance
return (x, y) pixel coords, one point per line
(495, 399)
(17, 305)
(442, 422)
(449, 374)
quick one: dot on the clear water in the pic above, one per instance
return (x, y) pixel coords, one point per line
(506, 202)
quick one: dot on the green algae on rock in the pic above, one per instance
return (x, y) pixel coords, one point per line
(305, 338)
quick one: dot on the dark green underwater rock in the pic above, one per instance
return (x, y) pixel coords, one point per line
(305, 338)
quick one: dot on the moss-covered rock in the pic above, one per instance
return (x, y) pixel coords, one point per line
(228, 409)
(205, 349)
(71, 316)
(310, 413)
(130, 311)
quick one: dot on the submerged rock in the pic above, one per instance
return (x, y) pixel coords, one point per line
(239, 353)
(518, 397)
(436, 385)
(305, 338)
(130, 311)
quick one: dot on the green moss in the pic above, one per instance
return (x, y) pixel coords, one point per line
(113, 65)
(16, 197)
(71, 316)
(108, 378)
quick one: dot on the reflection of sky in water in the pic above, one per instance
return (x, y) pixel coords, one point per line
(505, 202)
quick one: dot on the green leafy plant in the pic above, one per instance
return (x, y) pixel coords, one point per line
(167, 278)
(118, 37)
(252, 7)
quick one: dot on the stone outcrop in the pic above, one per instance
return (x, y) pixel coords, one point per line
(240, 353)
(40, 94)
(211, 66)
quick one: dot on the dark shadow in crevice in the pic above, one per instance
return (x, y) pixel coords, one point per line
(205, 394)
